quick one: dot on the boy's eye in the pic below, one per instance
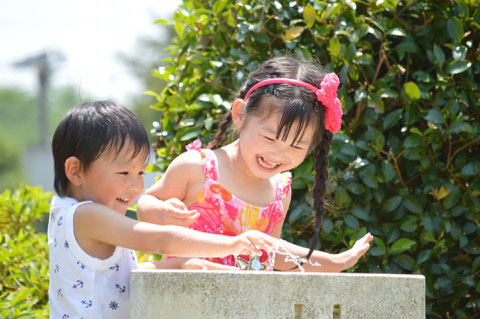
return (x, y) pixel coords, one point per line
(141, 173)
(123, 173)
(269, 138)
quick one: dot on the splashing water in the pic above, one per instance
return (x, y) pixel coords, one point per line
(297, 260)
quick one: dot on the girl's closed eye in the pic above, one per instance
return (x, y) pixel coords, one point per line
(123, 173)
(268, 138)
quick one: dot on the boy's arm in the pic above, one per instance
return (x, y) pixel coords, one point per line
(96, 227)
(328, 262)
(163, 202)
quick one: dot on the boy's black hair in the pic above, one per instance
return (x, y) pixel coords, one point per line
(296, 105)
(91, 128)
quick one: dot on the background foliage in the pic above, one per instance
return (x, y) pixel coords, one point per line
(404, 167)
(23, 254)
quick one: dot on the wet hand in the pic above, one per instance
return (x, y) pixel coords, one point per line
(175, 212)
(253, 241)
(360, 247)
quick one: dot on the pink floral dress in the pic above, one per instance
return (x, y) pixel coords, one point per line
(223, 213)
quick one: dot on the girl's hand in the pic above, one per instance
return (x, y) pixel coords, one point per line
(360, 247)
(252, 241)
(202, 264)
(174, 212)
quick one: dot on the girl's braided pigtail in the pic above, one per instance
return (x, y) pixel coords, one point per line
(320, 157)
(221, 132)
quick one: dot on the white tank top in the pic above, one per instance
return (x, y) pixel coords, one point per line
(82, 286)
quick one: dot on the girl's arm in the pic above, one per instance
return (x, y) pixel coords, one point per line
(185, 263)
(328, 262)
(98, 228)
(163, 202)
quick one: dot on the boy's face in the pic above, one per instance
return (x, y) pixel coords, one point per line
(114, 181)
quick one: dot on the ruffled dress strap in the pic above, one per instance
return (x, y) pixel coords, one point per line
(208, 160)
(284, 181)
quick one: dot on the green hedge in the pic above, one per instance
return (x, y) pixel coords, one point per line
(406, 163)
(23, 254)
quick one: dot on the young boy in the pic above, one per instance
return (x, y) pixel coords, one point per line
(100, 152)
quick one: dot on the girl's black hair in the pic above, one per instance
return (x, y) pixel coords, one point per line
(90, 129)
(297, 105)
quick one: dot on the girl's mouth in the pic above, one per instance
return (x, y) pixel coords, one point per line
(266, 163)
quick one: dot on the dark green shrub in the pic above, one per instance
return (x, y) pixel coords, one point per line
(406, 164)
(23, 254)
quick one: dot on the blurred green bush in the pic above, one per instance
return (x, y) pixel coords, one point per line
(406, 163)
(23, 254)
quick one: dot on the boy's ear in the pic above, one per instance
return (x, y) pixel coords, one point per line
(238, 113)
(73, 170)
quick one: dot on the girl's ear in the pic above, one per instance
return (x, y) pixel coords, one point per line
(238, 113)
(73, 170)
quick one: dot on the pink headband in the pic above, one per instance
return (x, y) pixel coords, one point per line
(327, 94)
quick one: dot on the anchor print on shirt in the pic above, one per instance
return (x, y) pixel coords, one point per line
(115, 267)
(87, 303)
(121, 289)
(81, 265)
(55, 243)
(60, 292)
(56, 269)
(65, 316)
(65, 244)
(60, 221)
(78, 284)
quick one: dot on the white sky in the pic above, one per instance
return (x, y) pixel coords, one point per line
(90, 33)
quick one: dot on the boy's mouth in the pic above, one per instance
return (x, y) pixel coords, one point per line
(123, 200)
(266, 163)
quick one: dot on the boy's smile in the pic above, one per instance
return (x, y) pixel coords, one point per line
(114, 180)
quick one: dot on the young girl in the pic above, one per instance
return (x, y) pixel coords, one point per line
(100, 151)
(283, 110)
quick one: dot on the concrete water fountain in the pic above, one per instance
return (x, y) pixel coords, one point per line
(260, 294)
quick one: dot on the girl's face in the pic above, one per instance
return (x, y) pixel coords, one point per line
(114, 181)
(266, 155)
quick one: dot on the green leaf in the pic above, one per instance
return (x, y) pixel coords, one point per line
(470, 169)
(413, 205)
(369, 179)
(392, 204)
(455, 29)
(412, 141)
(190, 134)
(401, 245)
(392, 118)
(434, 116)
(327, 225)
(424, 256)
(456, 67)
(351, 222)
(309, 15)
(411, 90)
(293, 33)
(341, 196)
(399, 32)
(439, 55)
(406, 262)
(360, 213)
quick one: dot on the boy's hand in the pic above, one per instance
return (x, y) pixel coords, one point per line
(252, 241)
(360, 247)
(176, 213)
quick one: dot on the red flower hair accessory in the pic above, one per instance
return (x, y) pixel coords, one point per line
(327, 94)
